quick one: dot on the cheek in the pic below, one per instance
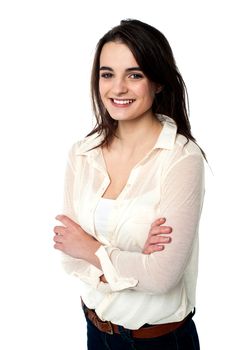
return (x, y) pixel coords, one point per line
(146, 91)
(103, 88)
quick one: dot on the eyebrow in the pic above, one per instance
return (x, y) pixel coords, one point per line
(127, 69)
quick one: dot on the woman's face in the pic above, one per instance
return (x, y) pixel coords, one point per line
(124, 89)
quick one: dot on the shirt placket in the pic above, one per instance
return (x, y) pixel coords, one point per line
(98, 163)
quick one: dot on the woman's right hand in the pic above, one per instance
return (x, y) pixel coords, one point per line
(155, 242)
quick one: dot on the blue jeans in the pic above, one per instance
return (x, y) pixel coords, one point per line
(183, 338)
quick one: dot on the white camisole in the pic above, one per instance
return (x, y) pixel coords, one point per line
(103, 222)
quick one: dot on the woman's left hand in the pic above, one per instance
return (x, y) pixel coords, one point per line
(155, 242)
(71, 239)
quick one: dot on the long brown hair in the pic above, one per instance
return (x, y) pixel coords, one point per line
(155, 58)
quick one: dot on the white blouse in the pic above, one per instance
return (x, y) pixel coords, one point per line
(103, 212)
(168, 182)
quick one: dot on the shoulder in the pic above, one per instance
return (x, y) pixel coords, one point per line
(184, 154)
(82, 149)
(186, 147)
(86, 145)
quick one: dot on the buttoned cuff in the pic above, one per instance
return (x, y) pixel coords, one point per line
(116, 282)
(91, 276)
(82, 269)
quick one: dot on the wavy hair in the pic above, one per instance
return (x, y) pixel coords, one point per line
(155, 58)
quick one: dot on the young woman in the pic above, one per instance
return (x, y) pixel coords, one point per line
(138, 168)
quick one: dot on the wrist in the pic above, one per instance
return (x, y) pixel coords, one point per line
(89, 253)
(103, 279)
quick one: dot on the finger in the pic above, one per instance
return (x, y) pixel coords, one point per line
(153, 248)
(58, 246)
(59, 230)
(58, 239)
(158, 222)
(158, 230)
(158, 240)
(65, 220)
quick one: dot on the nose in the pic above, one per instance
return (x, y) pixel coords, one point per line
(119, 86)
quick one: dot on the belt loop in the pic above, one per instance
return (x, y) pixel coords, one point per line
(126, 334)
(110, 331)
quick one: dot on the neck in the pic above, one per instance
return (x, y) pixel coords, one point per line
(137, 133)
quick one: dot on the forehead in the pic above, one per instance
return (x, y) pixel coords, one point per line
(116, 54)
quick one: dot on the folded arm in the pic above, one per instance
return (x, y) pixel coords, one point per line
(82, 262)
(181, 203)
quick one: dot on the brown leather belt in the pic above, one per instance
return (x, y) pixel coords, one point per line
(143, 332)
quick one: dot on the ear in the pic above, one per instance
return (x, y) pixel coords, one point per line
(158, 88)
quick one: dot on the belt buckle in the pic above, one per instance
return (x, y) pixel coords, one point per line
(111, 328)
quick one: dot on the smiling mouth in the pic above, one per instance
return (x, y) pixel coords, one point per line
(122, 102)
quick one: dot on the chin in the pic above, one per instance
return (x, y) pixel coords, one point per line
(121, 118)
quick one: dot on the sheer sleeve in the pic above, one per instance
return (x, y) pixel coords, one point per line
(77, 267)
(181, 204)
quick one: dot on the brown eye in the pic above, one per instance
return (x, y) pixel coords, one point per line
(136, 76)
(106, 75)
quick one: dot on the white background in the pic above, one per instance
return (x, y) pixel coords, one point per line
(46, 53)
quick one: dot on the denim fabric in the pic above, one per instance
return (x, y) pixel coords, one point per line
(184, 338)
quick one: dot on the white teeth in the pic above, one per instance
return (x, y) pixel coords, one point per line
(122, 102)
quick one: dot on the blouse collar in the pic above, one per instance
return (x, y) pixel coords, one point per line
(166, 139)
